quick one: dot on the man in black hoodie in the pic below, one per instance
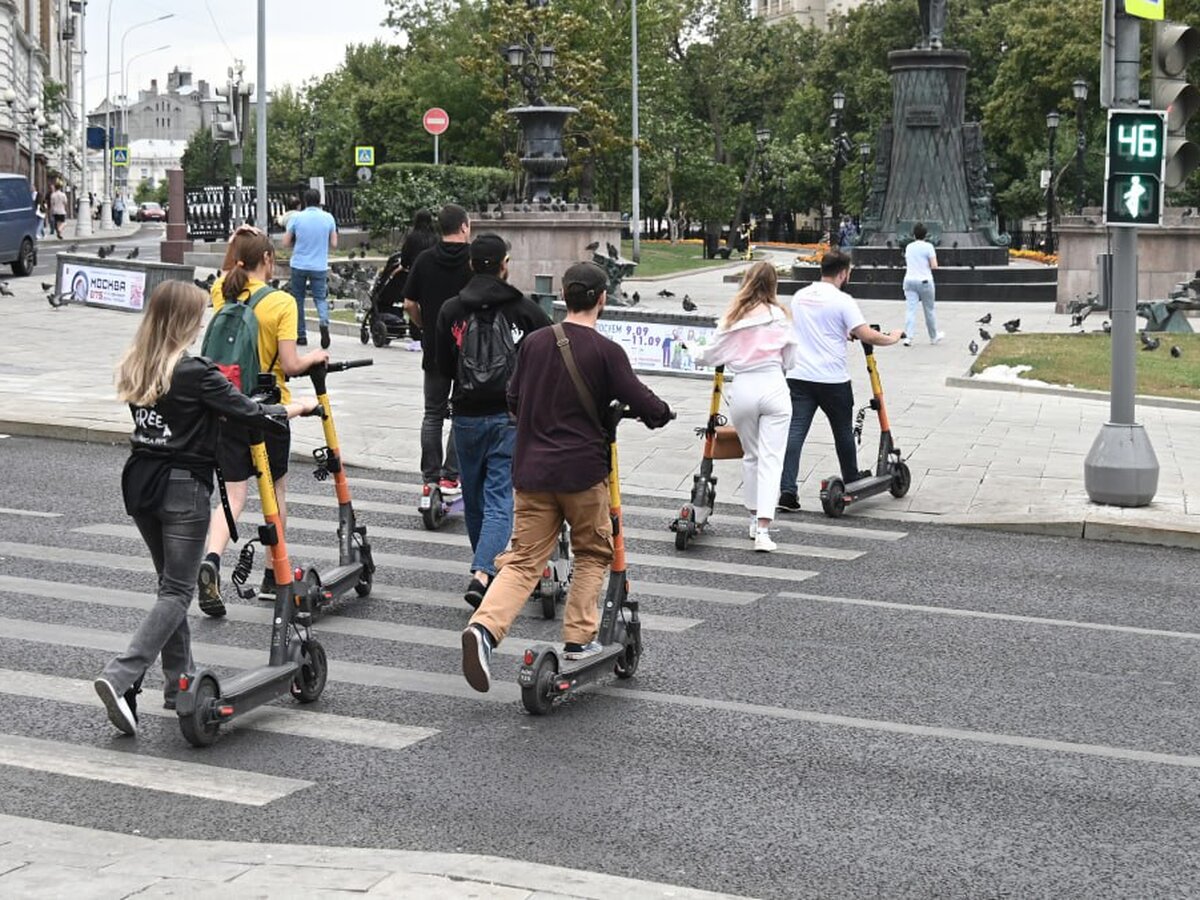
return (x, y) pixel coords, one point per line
(438, 274)
(475, 343)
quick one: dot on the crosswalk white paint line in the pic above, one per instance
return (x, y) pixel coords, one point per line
(995, 616)
(146, 772)
(275, 719)
(407, 501)
(441, 684)
(505, 692)
(31, 513)
(451, 539)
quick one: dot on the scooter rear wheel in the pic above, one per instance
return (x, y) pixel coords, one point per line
(198, 730)
(433, 515)
(626, 665)
(901, 480)
(310, 680)
(685, 528)
(536, 698)
(833, 499)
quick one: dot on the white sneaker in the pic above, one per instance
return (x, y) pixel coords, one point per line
(119, 713)
(763, 542)
(937, 340)
(907, 342)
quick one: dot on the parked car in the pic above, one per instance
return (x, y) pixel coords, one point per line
(149, 212)
(18, 224)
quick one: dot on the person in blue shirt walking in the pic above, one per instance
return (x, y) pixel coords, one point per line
(311, 234)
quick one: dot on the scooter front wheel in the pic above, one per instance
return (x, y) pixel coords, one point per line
(833, 498)
(549, 597)
(364, 334)
(310, 680)
(626, 665)
(198, 728)
(901, 480)
(536, 697)
(433, 513)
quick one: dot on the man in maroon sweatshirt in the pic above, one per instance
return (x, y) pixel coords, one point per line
(560, 471)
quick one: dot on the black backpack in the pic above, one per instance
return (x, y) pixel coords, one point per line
(487, 354)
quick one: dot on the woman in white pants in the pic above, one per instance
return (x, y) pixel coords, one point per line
(756, 342)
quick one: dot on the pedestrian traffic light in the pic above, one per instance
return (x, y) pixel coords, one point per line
(1175, 48)
(1134, 164)
(225, 116)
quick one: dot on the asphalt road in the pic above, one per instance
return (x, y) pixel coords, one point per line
(949, 713)
(147, 241)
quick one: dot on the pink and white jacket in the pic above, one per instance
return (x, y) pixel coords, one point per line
(762, 342)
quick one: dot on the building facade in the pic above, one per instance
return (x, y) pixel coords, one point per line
(816, 13)
(39, 67)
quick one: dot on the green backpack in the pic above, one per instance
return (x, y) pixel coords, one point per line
(231, 341)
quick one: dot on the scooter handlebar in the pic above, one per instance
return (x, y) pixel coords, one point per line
(348, 364)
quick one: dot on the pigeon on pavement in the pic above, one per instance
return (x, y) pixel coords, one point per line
(47, 287)
(57, 300)
(4, 290)
(665, 293)
(688, 304)
(1012, 326)
(1152, 344)
(1176, 351)
(132, 254)
(594, 245)
(986, 320)
(102, 252)
(985, 334)
(973, 347)
(613, 252)
(1106, 326)
(72, 248)
(636, 298)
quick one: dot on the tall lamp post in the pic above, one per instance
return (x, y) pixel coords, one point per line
(635, 221)
(835, 125)
(1080, 90)
(864, 155)
(1052, 118)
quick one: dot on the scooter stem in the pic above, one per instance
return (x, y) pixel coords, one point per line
(614, 502)
(877, 389)
(340, 483)
(714, 409)
(280, 563)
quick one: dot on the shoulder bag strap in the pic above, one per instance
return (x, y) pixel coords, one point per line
(585, 396)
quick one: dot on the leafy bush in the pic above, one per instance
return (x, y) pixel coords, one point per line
(398, 190)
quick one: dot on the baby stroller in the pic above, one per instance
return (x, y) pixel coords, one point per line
(383, 318)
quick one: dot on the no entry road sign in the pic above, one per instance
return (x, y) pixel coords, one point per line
(436, 120)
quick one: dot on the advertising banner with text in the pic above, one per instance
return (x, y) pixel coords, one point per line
(102, 286)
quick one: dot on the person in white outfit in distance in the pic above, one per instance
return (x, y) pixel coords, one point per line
(756, 342)
(920, 262)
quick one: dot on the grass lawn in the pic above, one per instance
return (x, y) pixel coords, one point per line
(1084, 360)
(342, 315)
(663, 258)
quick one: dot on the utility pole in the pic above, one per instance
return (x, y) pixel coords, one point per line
(1121, 468)
(260, 173)
(635, 221)
(83, 207)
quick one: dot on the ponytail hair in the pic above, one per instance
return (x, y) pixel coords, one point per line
(247, 251)
(759, 286)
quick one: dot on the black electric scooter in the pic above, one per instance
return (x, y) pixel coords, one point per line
(434, 507)
(693, 517)
(297, 663)
(356, 568)
(891, 471)
(551, 589)
(546, 675)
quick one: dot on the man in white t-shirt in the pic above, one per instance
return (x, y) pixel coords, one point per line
(920, 262)
(825, 317)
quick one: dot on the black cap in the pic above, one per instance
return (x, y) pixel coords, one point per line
(585, 278)
(488, 251)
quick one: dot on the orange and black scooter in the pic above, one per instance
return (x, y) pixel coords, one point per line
(720, 442)
(355, 570)
(891, 471)
(546, 676)
(297, 663)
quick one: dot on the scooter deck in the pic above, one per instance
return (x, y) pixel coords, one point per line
(876, 484)
(569, 667)
(254, 680)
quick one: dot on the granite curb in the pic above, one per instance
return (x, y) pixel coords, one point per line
(981, 384)
(46, 859)
(1085, 522)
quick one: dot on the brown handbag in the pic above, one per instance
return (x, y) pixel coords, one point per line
(726, 444)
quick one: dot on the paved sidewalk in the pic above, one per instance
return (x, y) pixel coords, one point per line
(48, 241)
(45, 860)
(998, 459)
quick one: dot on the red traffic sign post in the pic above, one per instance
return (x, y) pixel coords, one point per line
(435, 122)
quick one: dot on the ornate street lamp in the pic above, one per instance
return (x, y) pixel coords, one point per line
(1052, 119)
(864, 154)
(1080, 90)
(839, 158)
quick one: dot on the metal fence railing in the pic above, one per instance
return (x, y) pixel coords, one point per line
(211, 211)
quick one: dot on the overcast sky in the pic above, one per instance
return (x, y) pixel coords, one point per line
(304, 38)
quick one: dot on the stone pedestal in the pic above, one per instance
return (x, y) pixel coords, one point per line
(930, 166)
(546, 243)
(176, 244)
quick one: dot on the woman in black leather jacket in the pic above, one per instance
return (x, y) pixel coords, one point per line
(176, 401)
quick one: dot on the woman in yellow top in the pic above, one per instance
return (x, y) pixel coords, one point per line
(251, 265)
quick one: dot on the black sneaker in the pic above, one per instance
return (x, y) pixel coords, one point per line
(475, 591)
(120, 713)
(324, 337)
(788, 502)
(208, 581)
(477, 657)
(865, 473)
(302, 341)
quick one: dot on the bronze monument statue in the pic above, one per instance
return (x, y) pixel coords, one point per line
(933, 24)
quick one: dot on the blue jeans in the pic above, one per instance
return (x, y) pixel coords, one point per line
(837, 402)
(301, 280)
(485, 453)
(919, 293)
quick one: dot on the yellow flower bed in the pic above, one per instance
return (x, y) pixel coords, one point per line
(1050, 259)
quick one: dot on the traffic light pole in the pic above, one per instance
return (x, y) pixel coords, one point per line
(1121, 469)
(260, 169)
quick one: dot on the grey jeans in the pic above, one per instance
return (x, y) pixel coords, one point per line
(175, 536)
(434, 465)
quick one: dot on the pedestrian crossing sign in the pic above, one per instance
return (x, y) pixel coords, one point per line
(120, 156)
(1145, 9)
(364, 156)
